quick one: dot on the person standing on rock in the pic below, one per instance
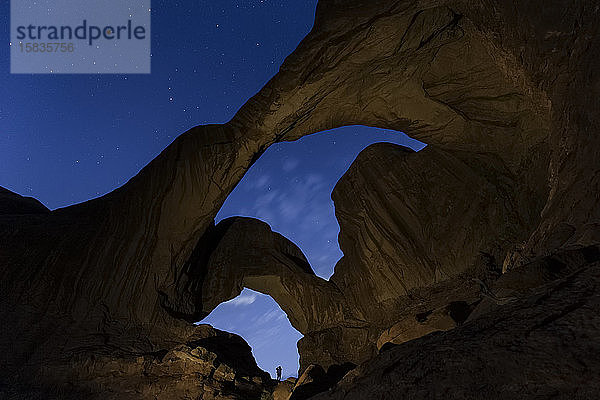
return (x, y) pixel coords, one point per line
(278, 370)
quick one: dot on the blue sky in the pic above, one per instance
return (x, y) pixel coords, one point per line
(92, 133)
(67, 138)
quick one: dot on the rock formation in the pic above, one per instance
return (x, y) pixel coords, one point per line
(539, 346)
(244, 252)
(421, 219)
(284, 389)
(215, 366)
(505, 94)
(315, 380)
(12, 203)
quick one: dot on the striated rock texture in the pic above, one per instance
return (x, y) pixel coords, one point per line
(422, 218)
(506, 95)
(410, 222)
(539, 346)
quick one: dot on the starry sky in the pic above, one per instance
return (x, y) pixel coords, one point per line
(67, 138)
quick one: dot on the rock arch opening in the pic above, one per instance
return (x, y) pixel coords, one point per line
(289, 188)
(262, 323)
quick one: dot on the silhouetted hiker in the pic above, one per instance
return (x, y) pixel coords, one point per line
(278, 370)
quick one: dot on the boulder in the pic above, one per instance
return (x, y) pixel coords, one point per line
(315, 380)
(284, 389)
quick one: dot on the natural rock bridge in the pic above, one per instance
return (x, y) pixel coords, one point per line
(505, 94)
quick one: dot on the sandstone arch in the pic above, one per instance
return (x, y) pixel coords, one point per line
(249, 255)
(105, 272)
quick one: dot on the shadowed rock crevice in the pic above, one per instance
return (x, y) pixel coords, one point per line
(188, 281)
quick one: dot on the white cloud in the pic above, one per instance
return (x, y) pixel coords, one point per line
(266, 199)
(275, 314)
(315, 181)
(290, 164)
(262, 181)
(290, 209)
(243, 299)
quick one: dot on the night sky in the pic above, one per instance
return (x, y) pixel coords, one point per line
(67, 138)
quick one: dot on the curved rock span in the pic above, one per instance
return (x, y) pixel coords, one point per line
(505, 94)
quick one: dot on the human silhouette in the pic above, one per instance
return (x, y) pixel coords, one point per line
(278, 370)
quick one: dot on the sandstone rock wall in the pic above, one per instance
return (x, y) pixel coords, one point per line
(409, 220)
(537, 346)
(215, 366)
